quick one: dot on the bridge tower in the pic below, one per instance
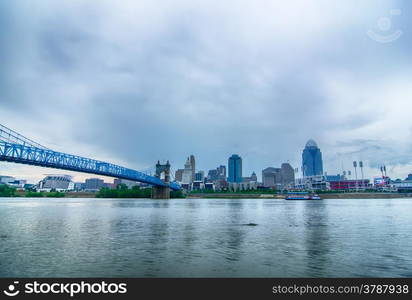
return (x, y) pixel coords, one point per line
(162, 192)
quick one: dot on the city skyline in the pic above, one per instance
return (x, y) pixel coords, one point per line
(97, 81)
(311, 165)
(188, 174)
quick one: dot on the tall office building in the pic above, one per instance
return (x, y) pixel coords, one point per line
(278, 177)
(199, 176)
(221, 172)
(193, 165)
(187, 176)
(179, 175)
(217, 174)
(287, 174)
(312, 159)
(235, 168)
(271, 177)
(212, 175)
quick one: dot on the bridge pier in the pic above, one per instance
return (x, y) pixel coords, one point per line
(162, 192)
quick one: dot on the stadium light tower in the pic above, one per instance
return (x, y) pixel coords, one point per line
(355, 164)
(361, 169)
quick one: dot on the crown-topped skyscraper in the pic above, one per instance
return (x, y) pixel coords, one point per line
(312, 159)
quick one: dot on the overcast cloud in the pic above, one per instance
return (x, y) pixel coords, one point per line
(132, 82)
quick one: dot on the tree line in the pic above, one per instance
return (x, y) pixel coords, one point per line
(122, 191)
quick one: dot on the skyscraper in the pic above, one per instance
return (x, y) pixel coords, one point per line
(217, 174)
(193, 164)
(212, 175)
(221, 172)
(312, 159)
(235, 168)
(179, 175)
(271, 177)
(199, 176)
(187, 177)
(287, 174)
(278, 177)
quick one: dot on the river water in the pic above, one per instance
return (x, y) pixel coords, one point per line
(205, 238)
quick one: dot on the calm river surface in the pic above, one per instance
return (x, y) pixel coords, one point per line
(205, 238)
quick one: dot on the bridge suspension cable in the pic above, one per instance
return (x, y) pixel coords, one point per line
(148, 171)
(9, 135)
(172, 174)
(16, 148)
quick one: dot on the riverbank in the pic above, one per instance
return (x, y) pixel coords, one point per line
(256, 195)
(64, 195)
(366, 195)
(323, 196)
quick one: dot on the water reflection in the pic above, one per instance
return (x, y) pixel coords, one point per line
(316, 237)
(236, 234)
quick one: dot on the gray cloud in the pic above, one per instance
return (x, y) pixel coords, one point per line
(163, 80)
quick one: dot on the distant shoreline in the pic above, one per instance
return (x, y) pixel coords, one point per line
(323, 196)
(261, 196)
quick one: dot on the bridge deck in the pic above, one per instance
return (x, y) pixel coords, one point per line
(30, 155)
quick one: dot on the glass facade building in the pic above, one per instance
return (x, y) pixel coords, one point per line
(235, 168)
(312, 159)
(199, 176)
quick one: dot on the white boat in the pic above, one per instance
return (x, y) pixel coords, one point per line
(302, 196)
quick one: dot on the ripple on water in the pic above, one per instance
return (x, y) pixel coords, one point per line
(198, 237)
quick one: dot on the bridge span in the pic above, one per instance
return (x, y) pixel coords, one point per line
(18, 149)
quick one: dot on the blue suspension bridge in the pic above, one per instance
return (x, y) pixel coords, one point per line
(16, 148)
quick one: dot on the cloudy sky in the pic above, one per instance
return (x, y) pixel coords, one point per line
(132, 82)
